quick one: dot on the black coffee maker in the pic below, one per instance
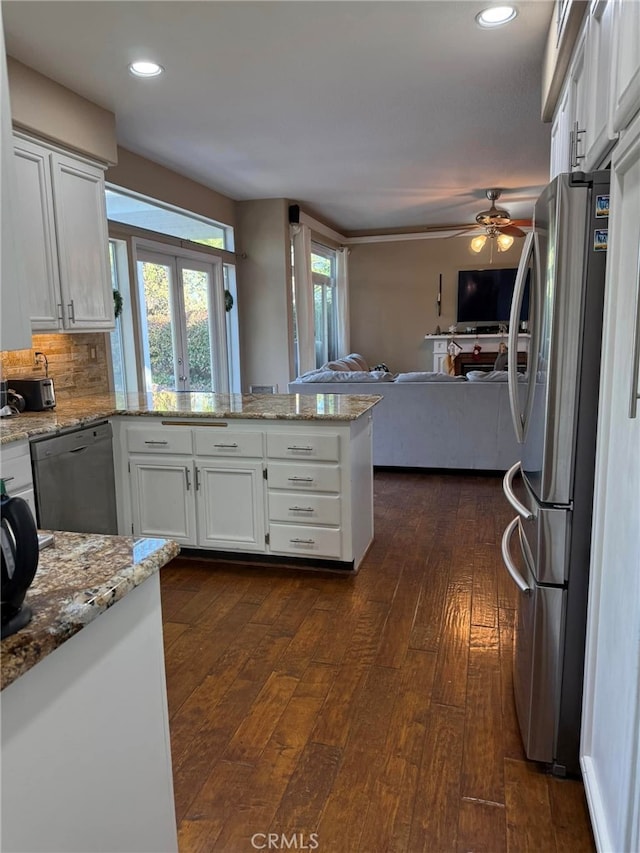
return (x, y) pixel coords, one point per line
(20, 553)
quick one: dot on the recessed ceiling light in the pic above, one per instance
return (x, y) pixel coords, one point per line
(145, 69)
(496, 16)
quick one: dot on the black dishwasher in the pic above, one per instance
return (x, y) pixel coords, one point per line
(74, 480)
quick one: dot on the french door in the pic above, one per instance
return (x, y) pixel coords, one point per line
(182, 321)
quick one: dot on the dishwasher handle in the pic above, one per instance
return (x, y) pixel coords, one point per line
(79, 449)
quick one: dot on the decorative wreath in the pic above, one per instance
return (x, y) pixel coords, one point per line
(117, 303)
(228, 300)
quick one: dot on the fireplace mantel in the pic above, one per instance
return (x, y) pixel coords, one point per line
(488, 343)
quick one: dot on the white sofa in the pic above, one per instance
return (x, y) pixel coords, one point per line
(458, 424)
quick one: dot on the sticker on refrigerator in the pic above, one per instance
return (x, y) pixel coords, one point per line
(600, 239)
(602, 206)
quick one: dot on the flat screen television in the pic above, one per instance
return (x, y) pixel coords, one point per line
(484, 296)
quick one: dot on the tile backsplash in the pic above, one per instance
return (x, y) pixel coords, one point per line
(77, 363)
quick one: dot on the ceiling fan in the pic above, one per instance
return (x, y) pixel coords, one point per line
(497, 225)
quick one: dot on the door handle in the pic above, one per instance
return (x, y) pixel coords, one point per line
(506, 556)
(72, 311)
(507, 488)
(187, 478)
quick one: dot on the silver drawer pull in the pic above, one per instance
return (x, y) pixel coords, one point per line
(300, 479)
(298, 447)
(156, 442)
(8, 479)
(303, 541)
(226, 445)
(300, 509)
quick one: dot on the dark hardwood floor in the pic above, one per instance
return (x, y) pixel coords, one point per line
(375, 711)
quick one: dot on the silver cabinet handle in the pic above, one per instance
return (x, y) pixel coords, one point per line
(186, 476)
(156, 442)
(299, 447)
(301, 509)
(506, 556)
(197, 479)
(232, 446)
(300, 479)
(72, 311)
(60, 312)
(303, 541)
(507, 487)
(7, 479)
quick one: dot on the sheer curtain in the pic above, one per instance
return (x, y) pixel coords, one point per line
(342, 287)
(303, 295)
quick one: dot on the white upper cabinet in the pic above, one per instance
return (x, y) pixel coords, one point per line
(599, 136)
(625, 92)
(61, 211)
(15, 332)
(601, 92)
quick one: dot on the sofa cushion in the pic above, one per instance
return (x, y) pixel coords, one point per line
(346, 376)
(353, 361)
(492, 376)
(428, 376)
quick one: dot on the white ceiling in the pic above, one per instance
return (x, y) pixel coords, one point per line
(371, 115)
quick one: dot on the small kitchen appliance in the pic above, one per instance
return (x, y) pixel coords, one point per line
(38, 393)
(20, 552)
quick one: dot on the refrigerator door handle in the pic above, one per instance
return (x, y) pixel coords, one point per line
(507, 487)
(528, 250)
(506, 556)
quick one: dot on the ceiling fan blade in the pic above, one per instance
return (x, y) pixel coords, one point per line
(511, 230)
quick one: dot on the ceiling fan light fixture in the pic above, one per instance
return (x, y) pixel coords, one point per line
(504, 241)
(477, 244)
(145, 68)
(496, 16)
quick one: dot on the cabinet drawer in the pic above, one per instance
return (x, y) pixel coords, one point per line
(159, 440)
(305, 541)
(304, 446)
(311, 509)
(16, 473)
(222, 442)
(308, 478)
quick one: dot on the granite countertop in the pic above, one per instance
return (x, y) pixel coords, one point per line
(289, 407)
(79, 577)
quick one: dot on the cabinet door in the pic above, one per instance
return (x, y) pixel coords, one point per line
(33, 213)
(83, 245)
(610, 747)
(560, 136)
(162, 499)
(599, 54)
(578, 106)
(230, 505)
(626, 63)
(15, 332)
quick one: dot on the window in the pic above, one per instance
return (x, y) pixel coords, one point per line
(325, 303)
(138, 211)
(182, 323)
(174, 332)
(319, 293)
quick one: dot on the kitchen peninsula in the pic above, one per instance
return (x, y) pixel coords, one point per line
(86, 761)
(281, 476)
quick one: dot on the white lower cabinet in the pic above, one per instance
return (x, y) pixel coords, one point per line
(293, 490)
(230, 505)
(162, 498)
(16, 474)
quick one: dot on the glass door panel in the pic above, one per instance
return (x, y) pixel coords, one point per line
(161, 349)
(195, 290)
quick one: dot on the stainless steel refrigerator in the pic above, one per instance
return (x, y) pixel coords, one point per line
(546, 547)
